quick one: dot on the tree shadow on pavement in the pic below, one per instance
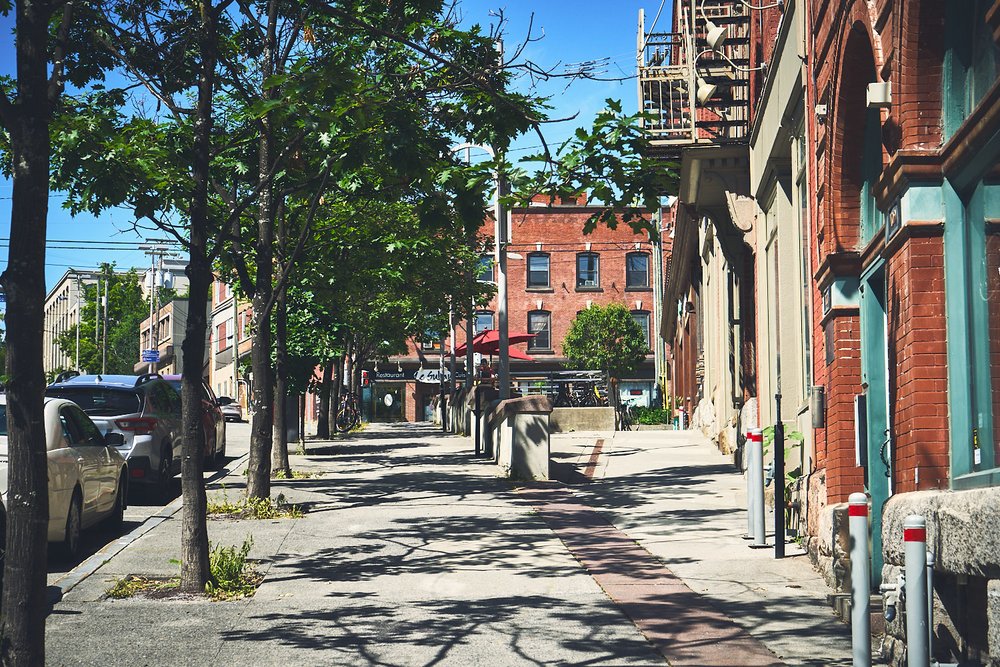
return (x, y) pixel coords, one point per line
(514, 629)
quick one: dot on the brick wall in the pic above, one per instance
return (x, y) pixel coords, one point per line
(918, 364)
(843, 376)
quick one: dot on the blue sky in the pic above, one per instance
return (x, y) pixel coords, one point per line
(574, 32)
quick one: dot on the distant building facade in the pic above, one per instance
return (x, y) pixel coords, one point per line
(553, 272)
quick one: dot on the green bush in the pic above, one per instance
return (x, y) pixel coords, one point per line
(232, 576)
(652, 415)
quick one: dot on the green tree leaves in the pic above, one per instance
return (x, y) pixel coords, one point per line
(606, 338)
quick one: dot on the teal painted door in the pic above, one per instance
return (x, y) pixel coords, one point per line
(875, 382)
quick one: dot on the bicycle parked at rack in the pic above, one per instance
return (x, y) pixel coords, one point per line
(349, 414)
(626, 416)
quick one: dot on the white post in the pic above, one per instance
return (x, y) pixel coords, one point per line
(756, 473)
(861, 632)
(915, 542)
(749, 462)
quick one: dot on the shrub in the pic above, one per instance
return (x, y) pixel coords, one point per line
(232, 576)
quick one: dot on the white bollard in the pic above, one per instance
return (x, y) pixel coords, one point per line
(749, 457)
(755, 473)
(861, 630)
(915, 541)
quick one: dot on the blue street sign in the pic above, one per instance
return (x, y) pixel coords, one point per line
(151, 356)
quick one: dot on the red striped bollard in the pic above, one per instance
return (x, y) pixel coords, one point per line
(915, 542)
(861, 630)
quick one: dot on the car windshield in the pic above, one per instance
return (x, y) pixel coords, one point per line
(176, 384)
(101, 400)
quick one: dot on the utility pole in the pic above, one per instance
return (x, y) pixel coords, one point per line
(501, 241)
(659, 345)
(156, 251)
(104, 338)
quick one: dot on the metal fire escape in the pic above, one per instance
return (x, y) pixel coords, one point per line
(693, 94)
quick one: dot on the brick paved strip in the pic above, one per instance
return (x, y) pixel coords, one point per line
(683, 625)
(588, 472)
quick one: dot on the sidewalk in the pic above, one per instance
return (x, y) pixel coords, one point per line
(680, 499)
(413, 553)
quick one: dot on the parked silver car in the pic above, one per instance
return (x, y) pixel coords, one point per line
(145, 410)
(88, 477)
(231, 410)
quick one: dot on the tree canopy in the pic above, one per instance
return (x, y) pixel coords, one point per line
(606, 338)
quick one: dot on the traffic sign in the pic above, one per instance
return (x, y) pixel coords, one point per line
(150, 356)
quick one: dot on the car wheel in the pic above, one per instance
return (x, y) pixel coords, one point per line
(74, 526)
(117, 516)
(165, 473)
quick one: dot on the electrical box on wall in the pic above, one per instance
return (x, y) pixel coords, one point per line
(879, 95)
(817, 406)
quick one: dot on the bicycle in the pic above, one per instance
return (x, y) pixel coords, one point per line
(626, 416)
(349, 414)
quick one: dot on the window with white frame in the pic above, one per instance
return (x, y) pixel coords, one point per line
(540, 324)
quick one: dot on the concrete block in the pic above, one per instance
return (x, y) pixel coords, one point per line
(567, 420)
(963, 529)
(530, 446)
(993, 620)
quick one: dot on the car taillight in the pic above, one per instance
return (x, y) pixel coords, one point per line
(137, 472)
(137, 425)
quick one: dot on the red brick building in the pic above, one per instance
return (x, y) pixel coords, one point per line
(553, 272)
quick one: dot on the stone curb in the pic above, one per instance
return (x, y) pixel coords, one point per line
(78, 574)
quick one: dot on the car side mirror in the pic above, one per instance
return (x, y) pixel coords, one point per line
(114, 439)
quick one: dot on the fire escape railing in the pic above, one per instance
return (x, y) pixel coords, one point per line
(691, 93)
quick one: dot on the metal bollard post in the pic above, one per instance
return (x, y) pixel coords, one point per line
(755, 471)
(915, 541)
(749, 464)
(861, 631)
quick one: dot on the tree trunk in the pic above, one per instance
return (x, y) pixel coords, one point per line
(259, 466)
(24, 605)
(323, 418)
(279, 460)
(338, 384)
(194, 530)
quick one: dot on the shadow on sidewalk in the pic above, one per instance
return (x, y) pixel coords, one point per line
(428, 632)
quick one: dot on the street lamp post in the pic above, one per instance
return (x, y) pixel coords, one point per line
(500, 241)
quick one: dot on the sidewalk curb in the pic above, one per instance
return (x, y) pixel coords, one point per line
(81, 572)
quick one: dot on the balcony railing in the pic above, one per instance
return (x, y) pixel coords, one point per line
(674, 67)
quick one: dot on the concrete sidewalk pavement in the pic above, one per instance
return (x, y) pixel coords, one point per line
(679, 498)
(412, 552)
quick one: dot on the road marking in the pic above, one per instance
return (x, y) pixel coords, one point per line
(588, 472)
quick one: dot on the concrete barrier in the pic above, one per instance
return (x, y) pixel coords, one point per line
(566, 420)
(519, 436)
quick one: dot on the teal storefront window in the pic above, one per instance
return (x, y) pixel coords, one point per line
(972, 256)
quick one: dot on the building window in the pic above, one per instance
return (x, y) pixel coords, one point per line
(220, 337)
(482, 322)
(538, 270)
(484, 270)
(641, 318)
(540, 324)
(588, 270)
(637, 270)
(431, 340)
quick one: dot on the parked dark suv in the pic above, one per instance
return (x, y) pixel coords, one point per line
(212, 421)
(146, 410)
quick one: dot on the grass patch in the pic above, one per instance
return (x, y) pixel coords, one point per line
(255, 508)
(133, 585)
(232, 575)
